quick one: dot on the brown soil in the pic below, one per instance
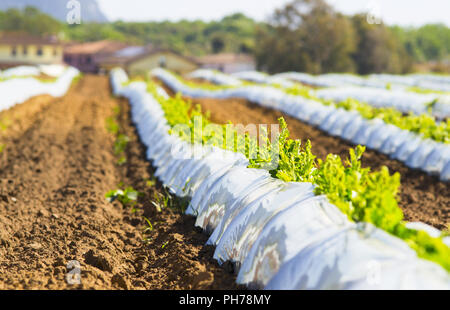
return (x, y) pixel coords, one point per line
(54, 172)
(422, 198)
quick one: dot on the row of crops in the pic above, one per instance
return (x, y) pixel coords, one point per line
(421, 142)
(339, 87)
(300, 224)
(21, 83)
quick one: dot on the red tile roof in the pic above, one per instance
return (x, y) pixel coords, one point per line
(21, 38)
(104, 47)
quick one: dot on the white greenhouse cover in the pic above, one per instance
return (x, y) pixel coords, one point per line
(340, 87)
(215, 77)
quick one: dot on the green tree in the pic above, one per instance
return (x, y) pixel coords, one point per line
(378, 49)
(306, 35)
(29, 20)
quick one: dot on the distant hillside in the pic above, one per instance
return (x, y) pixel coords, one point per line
(90, 11)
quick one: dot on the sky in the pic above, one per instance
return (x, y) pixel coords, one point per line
(399, 12)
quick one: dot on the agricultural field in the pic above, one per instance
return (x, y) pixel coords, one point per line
(214, 181)
(61, 157)
(270, 219)
(222, 154)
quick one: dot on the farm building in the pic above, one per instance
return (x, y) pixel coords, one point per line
(87, 56)
(18, 48)
(228, 63)
(140, 59)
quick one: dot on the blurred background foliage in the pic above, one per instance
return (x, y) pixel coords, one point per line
(305, 35)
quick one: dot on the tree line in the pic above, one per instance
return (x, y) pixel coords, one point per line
(311, 36)
(305, 35)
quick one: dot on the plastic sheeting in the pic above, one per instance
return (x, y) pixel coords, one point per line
(396, 82)
(252, 76)
(52, 70)
(18, 90)
(28, 71)
(348, 260)
(401, 100)
(278, 235)
(20, 71)
(215, 77)
(246, 218)
(262, 78)
(305, 78)
(376, 134)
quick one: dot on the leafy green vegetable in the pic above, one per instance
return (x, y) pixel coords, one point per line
(126, 197)
(112, 126)
(363, 195)
(121, 144)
